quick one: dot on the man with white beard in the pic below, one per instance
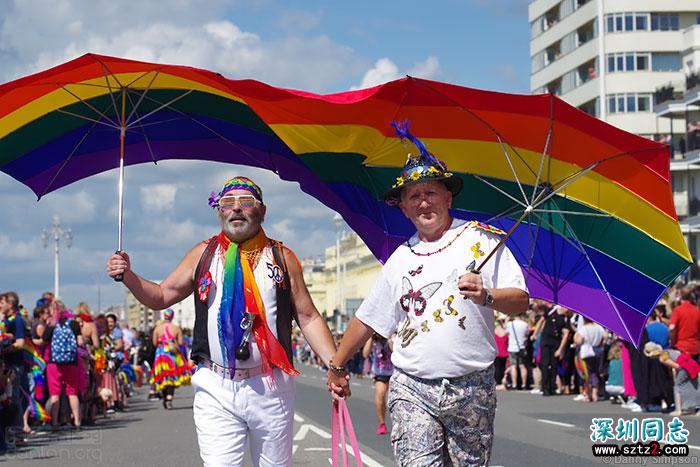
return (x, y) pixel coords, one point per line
(247, 289)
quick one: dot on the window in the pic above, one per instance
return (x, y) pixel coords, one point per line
(643, 103)
(642, 22)
(665, 62)
(627, 22)
(642, 62)
(664, 22)
(628, 61)
(629, 102)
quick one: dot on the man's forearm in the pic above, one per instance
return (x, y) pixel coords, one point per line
(147, 292)
(354, 338)
(319, 337)
(511, 301)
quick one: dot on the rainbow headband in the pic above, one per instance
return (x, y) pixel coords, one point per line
(168, 314)
(237, 183)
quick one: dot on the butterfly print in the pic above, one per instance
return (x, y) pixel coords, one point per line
(416, 271)
(461, 322)
(436, 314)
(424, 326)
(448, 303)
(417, 300)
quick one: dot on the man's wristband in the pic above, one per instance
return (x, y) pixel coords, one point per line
(336, 369)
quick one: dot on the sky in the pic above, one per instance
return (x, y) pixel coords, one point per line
(313, 45)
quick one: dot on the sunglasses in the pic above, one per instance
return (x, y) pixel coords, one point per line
(245, 201)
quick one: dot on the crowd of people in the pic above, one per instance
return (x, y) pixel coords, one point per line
(551, 350)
(62, 368)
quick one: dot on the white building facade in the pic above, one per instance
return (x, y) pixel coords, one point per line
(610, 57)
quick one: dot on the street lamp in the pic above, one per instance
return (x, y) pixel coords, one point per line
(338, 221)
(56, 232)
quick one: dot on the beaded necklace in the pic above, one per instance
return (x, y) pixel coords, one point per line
(441, 249)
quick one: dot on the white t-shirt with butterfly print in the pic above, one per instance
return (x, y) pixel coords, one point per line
(440, 335)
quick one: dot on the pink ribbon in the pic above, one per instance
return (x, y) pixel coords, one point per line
(340, 421)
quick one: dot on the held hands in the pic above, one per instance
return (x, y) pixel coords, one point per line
(471, 286)
(118, 263)
(338, 384)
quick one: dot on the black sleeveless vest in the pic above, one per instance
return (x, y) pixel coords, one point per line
(285, 310)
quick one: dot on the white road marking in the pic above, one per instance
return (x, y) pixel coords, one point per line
(551, 422)
(304, 430)
(692, 446)
(317, 449)
(298, 418)
(294, 449)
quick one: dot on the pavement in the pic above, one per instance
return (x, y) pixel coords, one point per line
(531, 430)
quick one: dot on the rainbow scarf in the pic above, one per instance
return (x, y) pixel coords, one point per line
(36, 410)
(240, 294)
(36, 363)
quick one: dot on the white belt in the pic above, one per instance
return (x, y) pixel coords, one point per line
(235, 375)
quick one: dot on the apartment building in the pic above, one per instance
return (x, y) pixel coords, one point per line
(609, 57)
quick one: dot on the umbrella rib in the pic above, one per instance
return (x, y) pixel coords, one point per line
(504, 213)
(128, 85)
(534, 243)
(105, 67)
(65, 162)
(479, 119)
(214, 132)
(111, 91)
(557, 231)
(143, 94)
(503, 192)
(82, 117)
(546, 148)
(90, 106)
(600, 280)
(512, 168)
(143, 132)
(571, 180)
(574, 213)
(163, 106)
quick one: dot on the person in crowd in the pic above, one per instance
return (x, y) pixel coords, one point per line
(553, 341)
(686, 380)
(378, 349)
(86, 351)
(247, 289)
(499, 365)
(517, 329)
(442, 395)
(15, 328)
(685, 325)
(591, 339)
(63, 372)
(169, 367)
(657, 329)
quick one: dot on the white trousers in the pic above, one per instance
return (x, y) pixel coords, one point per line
(227, 413)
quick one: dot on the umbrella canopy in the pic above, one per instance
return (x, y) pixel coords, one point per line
(599, 232)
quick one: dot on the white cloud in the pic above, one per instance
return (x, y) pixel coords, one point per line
(299, 20)
(385, 70)
(19, 249)
(159, 198)
(427, 69)
(82, 207)
(182, 33)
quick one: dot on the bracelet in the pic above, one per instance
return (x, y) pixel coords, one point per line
(336, 369)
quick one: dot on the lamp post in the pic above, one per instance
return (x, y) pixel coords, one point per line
(56, 233)
(338, 221)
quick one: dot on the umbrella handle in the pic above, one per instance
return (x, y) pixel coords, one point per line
(119, 277)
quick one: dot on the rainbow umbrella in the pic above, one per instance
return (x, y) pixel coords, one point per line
(589, 207)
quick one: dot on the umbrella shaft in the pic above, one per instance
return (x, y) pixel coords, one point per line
(502, 241)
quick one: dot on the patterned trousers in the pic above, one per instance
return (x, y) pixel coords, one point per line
(442, 422)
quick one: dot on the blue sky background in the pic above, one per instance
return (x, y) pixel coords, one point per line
(315, 45)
